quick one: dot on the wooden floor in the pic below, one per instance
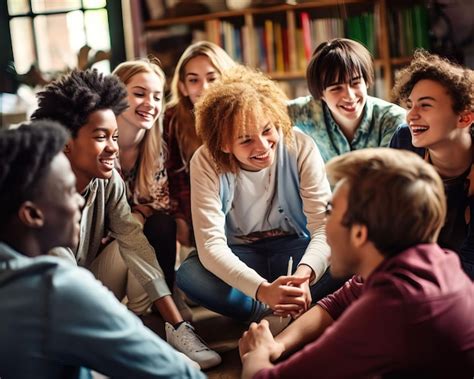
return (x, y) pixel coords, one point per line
(220, 333)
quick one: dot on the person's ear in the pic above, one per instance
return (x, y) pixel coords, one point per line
(30, 215)
(226, 148)
(182, 88)
(466, 118)
(358, 235)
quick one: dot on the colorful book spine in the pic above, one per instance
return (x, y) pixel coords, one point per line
(292, 52)
(269, 41)
(278, 37)
(306, 28)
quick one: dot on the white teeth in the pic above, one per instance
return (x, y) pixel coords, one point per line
(418, 129)
(261, 156)
(108, 162)
(349, 107)
(145, 114)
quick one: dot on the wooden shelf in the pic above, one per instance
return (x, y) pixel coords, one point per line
(153, 24)
(249, 25)
(400, 60)
(286, 75)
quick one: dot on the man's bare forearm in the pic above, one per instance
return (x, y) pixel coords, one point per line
(305, 329)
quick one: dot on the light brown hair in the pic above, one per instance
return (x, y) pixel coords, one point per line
(396, 194)
(184, 121)
(151, 148)
(338, 61)
(457, 80)
(229, 108)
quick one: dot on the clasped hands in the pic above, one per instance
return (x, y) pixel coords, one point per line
(286, 295)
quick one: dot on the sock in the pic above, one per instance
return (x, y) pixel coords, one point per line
(177, 325)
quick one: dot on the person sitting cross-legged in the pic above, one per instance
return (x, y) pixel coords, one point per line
(258, 194)
(88, 103)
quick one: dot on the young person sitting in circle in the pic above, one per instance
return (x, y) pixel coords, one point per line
(198, 67)
(141, 163)
(87, 103)
(57, 321)
(439, 96)
(408, 311)
(141, 158)
(339, 115)
(258, 195)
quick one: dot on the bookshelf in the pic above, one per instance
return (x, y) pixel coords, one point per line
(279, 39)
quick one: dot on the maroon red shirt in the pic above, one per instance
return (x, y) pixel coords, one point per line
(413, 316)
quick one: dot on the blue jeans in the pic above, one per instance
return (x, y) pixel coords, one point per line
(268, 257)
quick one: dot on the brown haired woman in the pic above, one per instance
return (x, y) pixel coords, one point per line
(199, 66)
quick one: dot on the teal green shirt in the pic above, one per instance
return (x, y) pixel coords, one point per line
(58, 322)
(379, 121)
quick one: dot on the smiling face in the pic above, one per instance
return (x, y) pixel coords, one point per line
(346, 101)
(430, 115)
(60, 205)
(199, 73)
(92, 153)
(145, 93)
(255, 150)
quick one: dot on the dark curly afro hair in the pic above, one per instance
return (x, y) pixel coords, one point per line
(72, 98)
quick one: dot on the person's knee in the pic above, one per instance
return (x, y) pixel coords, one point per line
(139, 308)
(187, 270)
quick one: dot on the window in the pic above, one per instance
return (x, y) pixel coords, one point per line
(51, 33)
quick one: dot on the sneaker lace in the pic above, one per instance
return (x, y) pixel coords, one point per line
(191, 339)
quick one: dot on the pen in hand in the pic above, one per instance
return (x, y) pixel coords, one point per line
(290, 266)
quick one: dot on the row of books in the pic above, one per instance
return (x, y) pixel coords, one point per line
(277, 47)
(408, 29)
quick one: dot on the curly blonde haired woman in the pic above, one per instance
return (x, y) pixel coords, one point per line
(259, 192)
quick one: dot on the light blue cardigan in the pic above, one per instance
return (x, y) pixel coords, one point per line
(288, 182)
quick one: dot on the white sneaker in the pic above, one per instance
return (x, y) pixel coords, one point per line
(188, 360)
(188, 342)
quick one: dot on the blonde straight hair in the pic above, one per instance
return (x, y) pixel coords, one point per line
(151, 149)
(184, 120)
